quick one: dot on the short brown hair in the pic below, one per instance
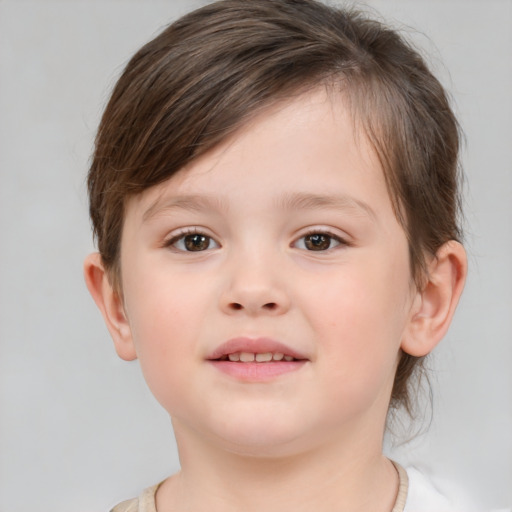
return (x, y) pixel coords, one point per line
(198, 81)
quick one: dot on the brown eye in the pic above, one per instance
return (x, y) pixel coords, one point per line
(317, 242)
(320, 241)
(193, 242)
(196, 242)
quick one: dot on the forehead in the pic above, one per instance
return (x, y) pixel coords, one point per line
(308, 147)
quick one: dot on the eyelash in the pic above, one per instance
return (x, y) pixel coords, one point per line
(331, 236)
(173, 241)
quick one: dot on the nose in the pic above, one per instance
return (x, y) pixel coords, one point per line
(255, 286)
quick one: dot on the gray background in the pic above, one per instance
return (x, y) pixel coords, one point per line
(78, 429)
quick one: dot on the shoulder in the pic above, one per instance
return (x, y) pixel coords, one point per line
(428, 493)
(127, 506)
(144, 503)
(423, 494)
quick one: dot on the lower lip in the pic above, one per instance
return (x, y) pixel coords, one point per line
(257, 372)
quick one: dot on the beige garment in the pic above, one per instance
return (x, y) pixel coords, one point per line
(403, 487)
(146, 501)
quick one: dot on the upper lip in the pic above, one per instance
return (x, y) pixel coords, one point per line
(254, 346)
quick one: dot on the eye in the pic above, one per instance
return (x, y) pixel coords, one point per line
(192, 242)
(318, 241)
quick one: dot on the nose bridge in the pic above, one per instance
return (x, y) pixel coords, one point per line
(254, 282)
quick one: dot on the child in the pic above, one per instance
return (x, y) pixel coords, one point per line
(274, 196)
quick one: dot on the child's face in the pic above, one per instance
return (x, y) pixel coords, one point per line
(285, 234)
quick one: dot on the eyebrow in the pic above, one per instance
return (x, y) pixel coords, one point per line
(198, 203)
(289, 201)
(305, 201)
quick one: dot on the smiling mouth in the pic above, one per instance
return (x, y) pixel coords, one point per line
(256, 359)
(250, 357)
(253, 360)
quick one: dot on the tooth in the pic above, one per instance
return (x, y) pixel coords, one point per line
(246, 357)
(288, 358)
(234, 357)
(277, 356)
(263, 358)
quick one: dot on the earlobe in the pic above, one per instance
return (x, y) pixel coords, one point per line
(111, 306)
(435, 303)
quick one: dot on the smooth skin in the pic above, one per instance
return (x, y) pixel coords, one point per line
(284, 231)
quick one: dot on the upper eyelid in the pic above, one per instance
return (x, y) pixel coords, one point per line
(189, 230)
(342, 237)
(321, 232)
(176, 235)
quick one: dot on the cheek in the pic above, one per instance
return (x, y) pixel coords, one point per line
(164, 315)
(359, 318)
(362, 298)
(162, 304)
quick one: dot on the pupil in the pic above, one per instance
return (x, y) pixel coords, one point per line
(318, 242)
(196, 242)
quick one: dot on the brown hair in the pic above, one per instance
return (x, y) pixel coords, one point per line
(199, 80)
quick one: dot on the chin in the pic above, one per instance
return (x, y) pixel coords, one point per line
(264, 449)
(263, 439)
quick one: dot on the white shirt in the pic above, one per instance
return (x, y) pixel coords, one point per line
(426, 495)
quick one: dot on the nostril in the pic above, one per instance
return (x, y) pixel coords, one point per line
(269, 306)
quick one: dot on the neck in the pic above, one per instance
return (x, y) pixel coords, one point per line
(328, 477)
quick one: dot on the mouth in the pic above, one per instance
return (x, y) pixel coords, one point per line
(251, 357)
(256, 359)
(259, 350)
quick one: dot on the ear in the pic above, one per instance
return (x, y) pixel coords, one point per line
(435, 303)
(111, 306)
